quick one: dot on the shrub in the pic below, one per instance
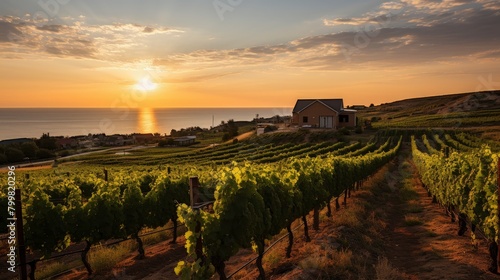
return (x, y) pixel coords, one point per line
(29, 149)
(270, 128)
(359, 129)
(3, 159)
(14, 155)
(44, 153)
(344, 131)
(303, 130)
(64, 153)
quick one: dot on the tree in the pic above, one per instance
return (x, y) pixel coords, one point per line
(3, 159)
(14, 155)
(44, 153)
(46, 142)
(371, 105)
(29, 149)
(230, 129)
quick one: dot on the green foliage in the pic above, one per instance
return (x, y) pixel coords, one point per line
(466, 180)
(133, 210)
(161, 201)
(44, 154)
(105, 215)
(29, 149)
(3, 158)
(359, 129)
(270, 128)
(47, 142)
(255, 202)
(14, 155)
(146, 182)
(45, 230)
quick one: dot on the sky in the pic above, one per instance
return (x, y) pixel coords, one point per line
(243, 53)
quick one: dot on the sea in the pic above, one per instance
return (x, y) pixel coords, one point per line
(33, 122)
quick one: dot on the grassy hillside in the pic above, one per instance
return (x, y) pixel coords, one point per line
(477, 111)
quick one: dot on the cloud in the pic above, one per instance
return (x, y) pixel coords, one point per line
(490, 4)
(52, 28)
(75, 38)
(361, 20)
(447, 40)
(436, 5)
(8, 31)
(397, 33)
(196, 78)
(389, 37)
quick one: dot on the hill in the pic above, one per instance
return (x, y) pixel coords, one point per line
(478, 112)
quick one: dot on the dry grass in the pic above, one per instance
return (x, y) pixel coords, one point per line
(103, 259)
(327, 263)
(413, 220)
(414, 208)
(243, 274)
(350, 217)
(384, 271)
(53, 268)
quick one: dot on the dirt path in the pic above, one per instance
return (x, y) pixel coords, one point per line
(422, 241)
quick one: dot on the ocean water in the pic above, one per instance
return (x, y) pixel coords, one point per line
(33, 122)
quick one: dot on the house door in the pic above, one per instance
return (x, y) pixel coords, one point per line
(326, 121)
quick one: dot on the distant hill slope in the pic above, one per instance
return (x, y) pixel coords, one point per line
(442, 104)
(478, 111)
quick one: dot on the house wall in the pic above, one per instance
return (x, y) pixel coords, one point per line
(351, 122)
(313, 113)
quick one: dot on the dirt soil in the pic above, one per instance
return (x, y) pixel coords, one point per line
(433, 250)
(430, 249)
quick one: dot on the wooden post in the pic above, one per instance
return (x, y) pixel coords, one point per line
(20, 234)
(345, 197)
(194, 185)
(316, 218)
(194, 191)
(105, 175)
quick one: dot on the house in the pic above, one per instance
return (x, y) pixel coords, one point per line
(67, 143)
(114, 140)
(143, 138)
(323, 113)
(185, 140)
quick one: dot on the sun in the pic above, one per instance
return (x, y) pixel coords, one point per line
(145, 84)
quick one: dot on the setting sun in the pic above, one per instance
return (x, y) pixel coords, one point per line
(145, 84)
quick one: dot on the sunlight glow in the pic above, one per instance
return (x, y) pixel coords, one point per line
(145, 84)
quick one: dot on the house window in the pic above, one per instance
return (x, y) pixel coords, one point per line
(305, 119)
(343, 118)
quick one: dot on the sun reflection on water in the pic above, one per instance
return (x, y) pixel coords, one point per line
(147, 121)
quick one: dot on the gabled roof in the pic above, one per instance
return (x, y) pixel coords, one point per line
(334, 104)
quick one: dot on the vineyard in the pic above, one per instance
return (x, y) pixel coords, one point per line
(248, 193)
(462, 176)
